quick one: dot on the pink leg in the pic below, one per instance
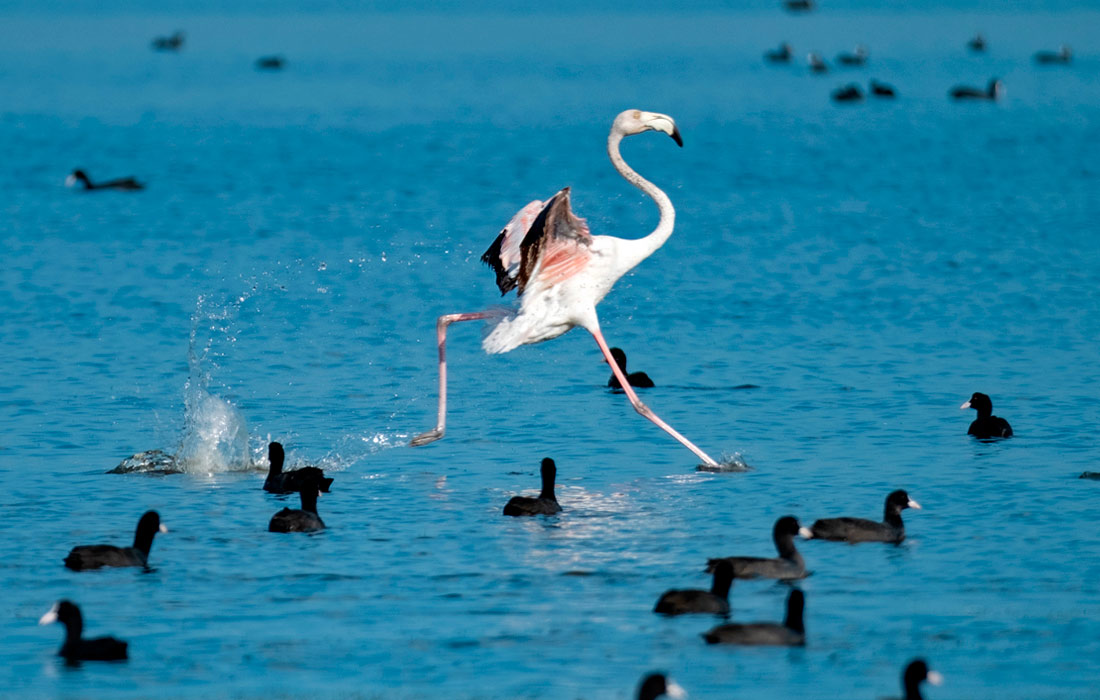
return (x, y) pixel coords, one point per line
(641, 407)
(441, 335)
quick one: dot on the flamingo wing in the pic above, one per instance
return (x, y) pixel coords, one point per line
(556, 246)
(505, 255)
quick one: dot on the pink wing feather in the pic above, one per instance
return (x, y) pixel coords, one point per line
(557, 245)
(505, 255)
(543, 241)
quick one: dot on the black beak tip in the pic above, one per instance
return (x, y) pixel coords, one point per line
(676, 137)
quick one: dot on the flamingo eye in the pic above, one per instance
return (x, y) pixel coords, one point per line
(637, 114)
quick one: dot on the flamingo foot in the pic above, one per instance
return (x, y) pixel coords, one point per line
(424, 438)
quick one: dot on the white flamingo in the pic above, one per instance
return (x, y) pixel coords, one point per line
(561, 271)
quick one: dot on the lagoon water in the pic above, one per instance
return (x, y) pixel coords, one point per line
(865, 268)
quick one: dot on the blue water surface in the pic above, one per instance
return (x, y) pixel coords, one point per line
(865, 267)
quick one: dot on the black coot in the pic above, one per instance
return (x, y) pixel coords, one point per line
(638, 380)
(993, 91)
(270, 63)
(93, 556)
(278, 481)
(788, 565)
(1063, 55)
(546, 503)
(882, 89)
(976, 43)
(169, 43)
(916, 673)
(848, 93)
(986, 426)
(658, 685)
(856, 58)
(122, 183)
(779, 55)
(791, 633)
(891, 529)
(76, 649)
(715, 601)
(816, 63)
(304, 520)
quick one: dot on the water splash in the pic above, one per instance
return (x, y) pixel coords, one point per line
(215, 433)
(734, 463)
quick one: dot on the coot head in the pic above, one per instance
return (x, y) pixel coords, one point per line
(796, 604)
(788, 526)
(898, 501)
(66, 613)
(549, 472)
(620, 358)
(996, 88)
(656, 685)
(917, 672)
(76, 176)
(275, 457)
(147, 528)
(980, 403)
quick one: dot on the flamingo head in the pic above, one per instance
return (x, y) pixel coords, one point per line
(635, 121)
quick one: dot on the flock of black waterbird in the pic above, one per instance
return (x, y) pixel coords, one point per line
(853, 92)
(309, 482)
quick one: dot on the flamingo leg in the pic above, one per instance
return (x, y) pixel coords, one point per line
(441, 336)
(641, 407)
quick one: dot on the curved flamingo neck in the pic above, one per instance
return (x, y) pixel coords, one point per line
(635, 251)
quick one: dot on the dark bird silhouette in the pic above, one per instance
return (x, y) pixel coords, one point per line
(976, 43)
(122, 183)
(1063, 55)
(546, 503)
(848, 93)
(791, 633)
(169, 43)
(658, 685)
(690, 600)
(916, 673)
(76, 649)
(789, 563)
(278, 481)
(882, 89)
(94, 556)
(639, 380)
(816, 63)
(798, 5)
(891, 529)
(993, 92)
(779, 55)
(858, 57)
(304, 520)
(270, 63)
(986, 425)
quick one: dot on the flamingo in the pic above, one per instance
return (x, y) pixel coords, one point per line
(560, 272)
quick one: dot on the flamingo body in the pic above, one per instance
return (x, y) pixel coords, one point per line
(560, 272)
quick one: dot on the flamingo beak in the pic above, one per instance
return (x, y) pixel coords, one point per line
(965, 405)
(50, 616)
(935, 677)
(664, 124)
